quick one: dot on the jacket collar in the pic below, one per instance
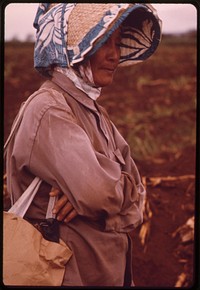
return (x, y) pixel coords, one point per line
(68, 86)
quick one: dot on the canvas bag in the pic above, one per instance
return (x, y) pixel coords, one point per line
(28, 258)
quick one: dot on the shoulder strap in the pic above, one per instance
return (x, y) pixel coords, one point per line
(18, 120)
(23, 203)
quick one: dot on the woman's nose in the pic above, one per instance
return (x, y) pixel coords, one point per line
(113, 51)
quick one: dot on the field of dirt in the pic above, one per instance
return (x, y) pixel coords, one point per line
(154, 106)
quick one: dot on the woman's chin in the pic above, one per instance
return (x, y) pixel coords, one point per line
(104, 82)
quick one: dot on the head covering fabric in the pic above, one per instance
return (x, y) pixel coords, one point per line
(69, 33)
(82, 79)
(50, 46)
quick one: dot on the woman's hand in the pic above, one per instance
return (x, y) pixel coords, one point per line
(63, 208)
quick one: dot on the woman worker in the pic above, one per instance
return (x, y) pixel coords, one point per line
(71, 144)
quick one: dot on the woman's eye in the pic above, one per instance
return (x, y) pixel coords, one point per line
(118, 41)
(106, 42)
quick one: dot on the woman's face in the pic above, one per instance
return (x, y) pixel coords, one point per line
(105, 60)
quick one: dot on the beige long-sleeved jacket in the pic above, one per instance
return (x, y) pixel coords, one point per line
(67, 139)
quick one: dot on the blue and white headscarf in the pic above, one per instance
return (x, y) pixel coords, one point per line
(141, 33)
(58, 24)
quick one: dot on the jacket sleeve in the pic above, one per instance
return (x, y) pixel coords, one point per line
(61, 150)
(63, 156)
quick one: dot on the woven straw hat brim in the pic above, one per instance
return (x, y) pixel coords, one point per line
(69, 33)
(83, 18)
(91, 24)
